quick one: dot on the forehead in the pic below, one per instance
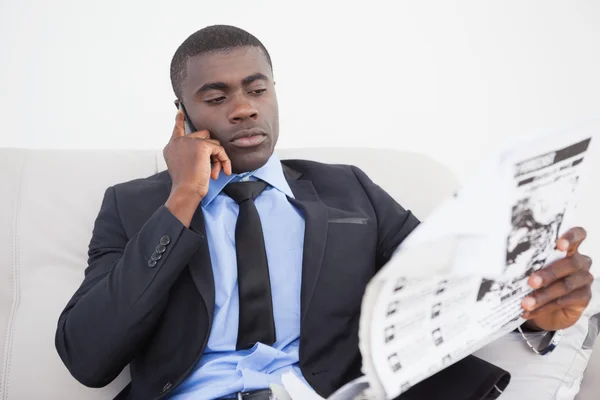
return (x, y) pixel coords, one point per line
(229, 66)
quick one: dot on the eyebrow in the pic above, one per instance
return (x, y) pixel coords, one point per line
(213, 86)
(252, 78)
(223, 86)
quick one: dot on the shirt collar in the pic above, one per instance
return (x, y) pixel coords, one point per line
(271, 172)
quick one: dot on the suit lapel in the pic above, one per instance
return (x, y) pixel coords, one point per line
(315, 234)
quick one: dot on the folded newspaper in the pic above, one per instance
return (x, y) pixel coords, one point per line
(457, 282)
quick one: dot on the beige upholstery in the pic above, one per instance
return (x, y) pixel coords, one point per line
(557, 376)
(48, 203)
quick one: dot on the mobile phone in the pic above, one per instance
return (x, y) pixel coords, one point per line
(188, 126)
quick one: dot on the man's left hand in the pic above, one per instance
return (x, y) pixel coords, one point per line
(563, 288)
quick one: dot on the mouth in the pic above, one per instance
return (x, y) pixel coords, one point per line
(248, 138)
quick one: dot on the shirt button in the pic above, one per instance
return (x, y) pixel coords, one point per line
(161, 248)
(152, 263)
(165, 240)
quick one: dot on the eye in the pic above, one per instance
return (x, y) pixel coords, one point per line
(258, 92)
(216, 100)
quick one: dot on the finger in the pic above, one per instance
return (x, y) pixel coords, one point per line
(211, 141)
(571, 240)
(219, 154)
(575, 301)
(179, 129)
(215, 170)
(559, 269)
(204, 134)
(561, 288)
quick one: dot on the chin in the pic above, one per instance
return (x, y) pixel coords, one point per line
(250, 159)
(241, 163)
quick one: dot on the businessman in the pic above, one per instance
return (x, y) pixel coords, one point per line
(215, 277)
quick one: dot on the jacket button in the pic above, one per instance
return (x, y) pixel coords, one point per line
(165, 240)
(152, 263)
(161, 248)
(167, 386)
(155, 256)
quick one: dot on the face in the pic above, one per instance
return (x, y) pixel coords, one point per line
(231, 94)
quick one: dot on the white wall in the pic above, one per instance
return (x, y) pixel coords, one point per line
(445, 77)
(449, 78)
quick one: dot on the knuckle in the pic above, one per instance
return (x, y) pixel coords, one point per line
(578, 261)
(575, 281)
(588, 279)
(580, 296)
(569, 283)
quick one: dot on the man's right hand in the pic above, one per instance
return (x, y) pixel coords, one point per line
(188, 159)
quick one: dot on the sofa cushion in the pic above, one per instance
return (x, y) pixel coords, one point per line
(51, 199)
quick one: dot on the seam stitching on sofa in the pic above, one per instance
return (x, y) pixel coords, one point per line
(5, 376)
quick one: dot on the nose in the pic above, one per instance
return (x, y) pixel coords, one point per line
(242, 112)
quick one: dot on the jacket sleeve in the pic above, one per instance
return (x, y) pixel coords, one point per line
(394, 223)
(123, 293)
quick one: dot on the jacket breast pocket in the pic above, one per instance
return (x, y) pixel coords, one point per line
(349, 220)
(348, 264)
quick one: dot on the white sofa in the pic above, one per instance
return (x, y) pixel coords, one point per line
(48, 202)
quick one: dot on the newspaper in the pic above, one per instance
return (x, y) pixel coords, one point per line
(457, 282)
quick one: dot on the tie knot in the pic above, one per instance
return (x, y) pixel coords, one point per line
(242, 191)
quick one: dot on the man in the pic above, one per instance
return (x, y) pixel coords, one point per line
(217, 276)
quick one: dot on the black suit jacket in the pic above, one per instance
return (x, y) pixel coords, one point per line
(157, 316)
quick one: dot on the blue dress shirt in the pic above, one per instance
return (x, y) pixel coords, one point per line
(222, 370)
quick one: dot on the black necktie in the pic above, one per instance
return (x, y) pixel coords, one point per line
(256, 322)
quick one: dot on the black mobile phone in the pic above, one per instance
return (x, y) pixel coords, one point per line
(189, 127)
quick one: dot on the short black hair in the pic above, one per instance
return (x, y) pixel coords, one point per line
(211, 38)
